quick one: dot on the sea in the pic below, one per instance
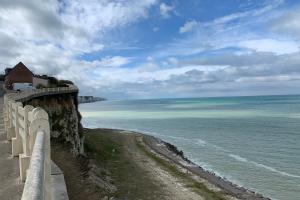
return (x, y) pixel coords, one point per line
(251, 141)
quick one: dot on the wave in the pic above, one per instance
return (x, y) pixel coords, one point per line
(272, 169)
(201, 142)
(196, 141)
(238, 158)
(275, 170)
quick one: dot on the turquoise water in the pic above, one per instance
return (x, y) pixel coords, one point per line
(252, 141)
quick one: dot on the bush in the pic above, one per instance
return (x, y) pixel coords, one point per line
(40, 86)
(64, 83)
(52, 80)
(2, 76)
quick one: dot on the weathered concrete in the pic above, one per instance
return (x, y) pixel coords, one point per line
(10, 186)
(58, 185)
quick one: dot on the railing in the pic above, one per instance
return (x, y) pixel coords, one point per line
(29, 130)
(34, 188)
(29, 94)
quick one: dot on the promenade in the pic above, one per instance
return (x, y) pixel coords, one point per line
(10, 186)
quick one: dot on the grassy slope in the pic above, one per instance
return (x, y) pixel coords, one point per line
(109, 149)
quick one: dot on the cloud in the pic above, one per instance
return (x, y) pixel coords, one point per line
(227, 55)
(271, 45)
(115, 61)
(288, 23)
(188, 26)
(225, 32)
(165, 10)
(49, 36)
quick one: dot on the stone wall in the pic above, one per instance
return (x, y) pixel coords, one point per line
(64, 118)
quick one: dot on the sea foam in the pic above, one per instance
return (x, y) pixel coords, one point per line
(272, 169)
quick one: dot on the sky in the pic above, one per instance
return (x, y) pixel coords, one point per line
(131, 49)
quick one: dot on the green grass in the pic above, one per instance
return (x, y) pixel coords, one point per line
(109, 150)
(102, 148)
(198, 187)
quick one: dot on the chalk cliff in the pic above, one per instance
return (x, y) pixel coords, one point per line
(64, 118)
(89, 99)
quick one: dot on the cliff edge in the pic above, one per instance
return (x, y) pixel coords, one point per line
(64, 118)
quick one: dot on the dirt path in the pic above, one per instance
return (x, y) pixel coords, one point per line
(171, 187)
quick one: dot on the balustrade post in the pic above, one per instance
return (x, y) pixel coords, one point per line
(10, 133)
(5, 113)
(17, 140)
(24, 159)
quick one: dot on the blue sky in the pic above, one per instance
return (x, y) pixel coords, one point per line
(156, 48)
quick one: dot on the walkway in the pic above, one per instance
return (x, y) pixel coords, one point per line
(10, 187)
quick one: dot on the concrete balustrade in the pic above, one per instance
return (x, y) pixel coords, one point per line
(29, 131)
(38, 175)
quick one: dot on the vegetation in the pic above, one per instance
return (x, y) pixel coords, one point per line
(2, 76)
(40, 86)
(198, 187)
(54, 82)
(110, 151)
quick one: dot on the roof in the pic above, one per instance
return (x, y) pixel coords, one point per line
(21, 65)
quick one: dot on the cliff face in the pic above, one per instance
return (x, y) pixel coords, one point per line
(64, 118)
(89, 99)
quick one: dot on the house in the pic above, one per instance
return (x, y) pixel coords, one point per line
(20, 77)
(18, 74)
(40, 80)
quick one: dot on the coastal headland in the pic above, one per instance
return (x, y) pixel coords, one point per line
(128, 165)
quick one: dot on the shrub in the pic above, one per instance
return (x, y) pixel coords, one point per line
(64, 83)
(52, 80)
(2, 76)
(40, 86)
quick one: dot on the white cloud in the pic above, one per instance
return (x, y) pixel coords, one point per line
(50, 36)
(271, 45)
(165, 10)
(98, 16)
(173, 61)
(115, 61)
(188, 26)
(223, 32)
(288, 23)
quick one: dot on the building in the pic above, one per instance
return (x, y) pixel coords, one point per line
(20, 77)
(18, 74)
(40, 81)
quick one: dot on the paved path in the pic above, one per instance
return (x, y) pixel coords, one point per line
(10, 187)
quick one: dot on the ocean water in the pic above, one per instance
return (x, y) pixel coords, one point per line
(252, 141)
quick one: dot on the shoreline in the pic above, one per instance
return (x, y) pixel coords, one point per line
(176, 156)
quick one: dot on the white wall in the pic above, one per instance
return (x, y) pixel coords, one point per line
(39, 81)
